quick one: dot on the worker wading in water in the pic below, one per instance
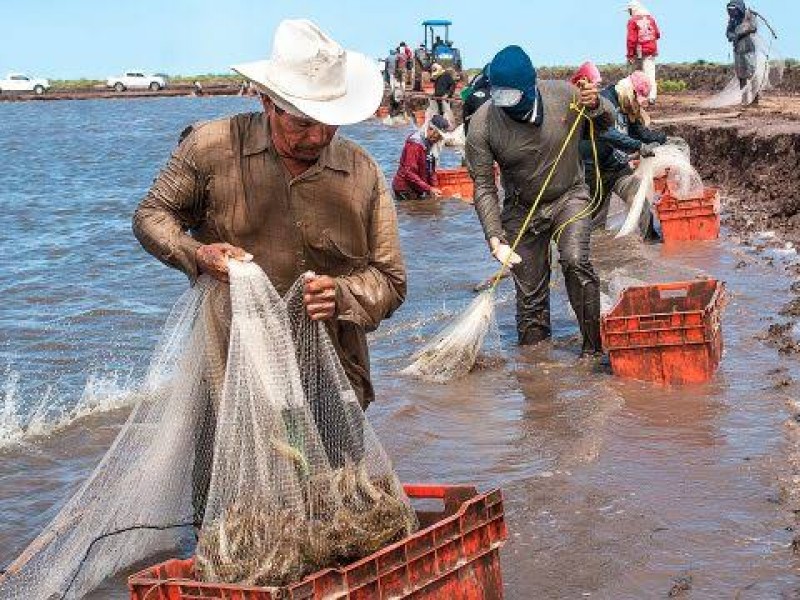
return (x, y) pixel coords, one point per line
(522, 129)
(282, 188)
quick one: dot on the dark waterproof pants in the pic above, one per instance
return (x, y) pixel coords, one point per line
(532, 276)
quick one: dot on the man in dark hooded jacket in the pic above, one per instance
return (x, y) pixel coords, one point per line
(474, 96)
(523, 130)
(741, 32)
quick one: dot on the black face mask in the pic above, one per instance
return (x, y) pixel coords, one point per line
(523, 112)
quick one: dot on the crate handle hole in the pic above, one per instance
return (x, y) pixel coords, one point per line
(673, 294)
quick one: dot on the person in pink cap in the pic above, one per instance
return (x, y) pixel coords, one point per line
(629, 138)
(587, 72)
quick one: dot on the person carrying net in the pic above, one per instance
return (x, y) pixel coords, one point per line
(617, 146)
(249, 428)
(741, 32)
(281, 186)
(526, 129)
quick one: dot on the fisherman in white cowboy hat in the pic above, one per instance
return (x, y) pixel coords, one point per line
(309, 74)
(282, 188)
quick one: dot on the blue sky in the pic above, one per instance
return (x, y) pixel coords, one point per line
(97, 38)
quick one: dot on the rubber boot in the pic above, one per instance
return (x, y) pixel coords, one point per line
(584, 296)
(532, 335)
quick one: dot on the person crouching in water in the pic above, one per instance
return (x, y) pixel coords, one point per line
(629, 138)
(416, 174)
(523, 129)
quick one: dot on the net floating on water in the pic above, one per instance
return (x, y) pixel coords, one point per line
(453, 351)
(247, 424)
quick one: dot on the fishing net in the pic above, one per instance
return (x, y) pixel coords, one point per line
(768, 74)
(300, 482)
(453, 351)
(264, 430)
(671, 161)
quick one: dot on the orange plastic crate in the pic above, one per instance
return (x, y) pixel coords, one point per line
(455, 183)
(382, 112)
(455, 555)
(660, 184)
(693, 219)
(668, 333)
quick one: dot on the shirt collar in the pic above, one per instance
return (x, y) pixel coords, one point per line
(257, 139)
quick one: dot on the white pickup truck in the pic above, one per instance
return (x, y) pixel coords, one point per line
(19, 82)
(136, 79)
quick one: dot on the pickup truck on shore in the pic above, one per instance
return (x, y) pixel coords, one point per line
(136, 80)
(19, 82)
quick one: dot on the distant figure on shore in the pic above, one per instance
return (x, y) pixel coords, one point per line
(420, 61)
(390, 74)
(444, 85)
(197, 89)
(406, 60)
(397, 94)
(416, 174)
(643, 36)
(741, 32)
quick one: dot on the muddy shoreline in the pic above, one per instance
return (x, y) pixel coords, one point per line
(696, 77)
(755, 157)
(110, 94)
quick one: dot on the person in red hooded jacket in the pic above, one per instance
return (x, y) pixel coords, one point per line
(416, 174)
(643, 36)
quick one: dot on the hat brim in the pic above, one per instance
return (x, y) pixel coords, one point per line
(364, 94)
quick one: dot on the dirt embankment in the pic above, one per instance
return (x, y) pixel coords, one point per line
(698, 77)
(757, 161)
(93, 93)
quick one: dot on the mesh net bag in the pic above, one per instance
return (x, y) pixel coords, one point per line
(247, 423)
(300, 481)
(671, 160)
(453, 352)
(768, 74)
(138, 501)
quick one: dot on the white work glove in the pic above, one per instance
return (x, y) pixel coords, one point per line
(503, 253)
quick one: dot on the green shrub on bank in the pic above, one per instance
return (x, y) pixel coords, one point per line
(75, 84)
(670, 86)
(206, 79)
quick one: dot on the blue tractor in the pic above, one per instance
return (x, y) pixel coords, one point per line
(435, 49)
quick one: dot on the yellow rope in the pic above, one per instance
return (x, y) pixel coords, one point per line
(597, 198)
(543, 189)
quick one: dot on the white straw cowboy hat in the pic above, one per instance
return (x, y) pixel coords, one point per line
(311, 73)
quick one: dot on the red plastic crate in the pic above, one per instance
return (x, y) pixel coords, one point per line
(693, 219)
(455, 555)
(455, 183)
(668, 333)
(660, 184)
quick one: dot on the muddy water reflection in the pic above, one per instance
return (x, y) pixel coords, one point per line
(614, 489)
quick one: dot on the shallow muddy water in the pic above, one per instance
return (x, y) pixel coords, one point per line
(613, 489)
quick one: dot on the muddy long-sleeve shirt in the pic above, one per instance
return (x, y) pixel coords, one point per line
(526, 152)
(226, 183)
